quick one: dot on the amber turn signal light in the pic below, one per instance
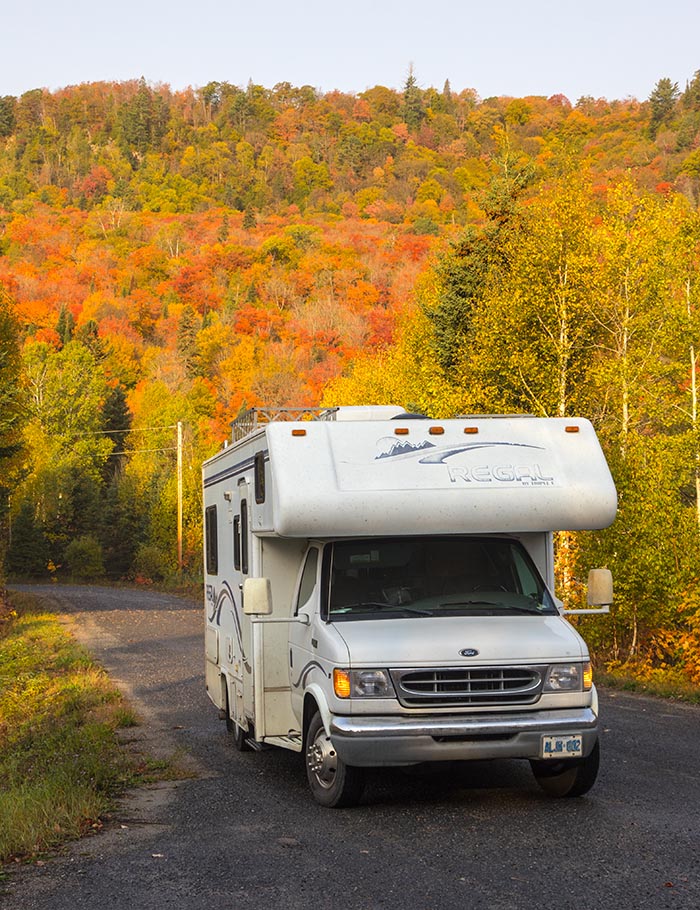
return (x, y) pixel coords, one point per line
(341, 683)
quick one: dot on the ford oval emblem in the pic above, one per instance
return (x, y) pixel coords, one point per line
(469, 652)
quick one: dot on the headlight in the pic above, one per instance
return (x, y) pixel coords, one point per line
(362, 684)
(569, 678)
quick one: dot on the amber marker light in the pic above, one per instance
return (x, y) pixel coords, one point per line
(436, 431)
(572, 429)
(587, 677)
(298, 432)
(401, 431)
(341, 683)
(471, 430)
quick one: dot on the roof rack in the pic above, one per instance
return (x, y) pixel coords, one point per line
(251, 419)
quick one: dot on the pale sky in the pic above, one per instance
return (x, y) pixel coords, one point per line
(615, 49)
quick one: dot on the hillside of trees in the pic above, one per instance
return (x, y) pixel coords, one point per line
(175, 257)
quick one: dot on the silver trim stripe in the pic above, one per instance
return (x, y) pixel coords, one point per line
(234, 470)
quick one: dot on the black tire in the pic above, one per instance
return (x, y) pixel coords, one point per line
(569, 777)
(240, 736)
(333, 783)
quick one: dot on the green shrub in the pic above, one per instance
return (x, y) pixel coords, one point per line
(151, 563)
(83, 557)
(425, 225)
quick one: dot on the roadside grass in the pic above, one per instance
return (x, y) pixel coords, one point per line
(61, 765)
(660, 684)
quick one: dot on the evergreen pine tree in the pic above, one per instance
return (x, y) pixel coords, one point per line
(28, 552)
(463, 271)
(117, 419)
(8, 105)
(65, 325)
(691, 95)
(412, 109)
(10, 408)
(187, 338)
(88, 336)
(447, 100)
(223, 234)
(663, 104)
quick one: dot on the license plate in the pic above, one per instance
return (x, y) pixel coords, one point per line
(569, 746)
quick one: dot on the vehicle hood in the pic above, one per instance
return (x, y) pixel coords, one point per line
(437, 641)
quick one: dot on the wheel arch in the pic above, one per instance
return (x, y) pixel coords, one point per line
(315, 700)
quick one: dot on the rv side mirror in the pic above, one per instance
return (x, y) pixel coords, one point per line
(600, 588)
(257, 597)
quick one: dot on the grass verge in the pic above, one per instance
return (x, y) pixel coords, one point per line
(659, 685)
(60, 762)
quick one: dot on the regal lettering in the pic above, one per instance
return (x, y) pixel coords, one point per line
(522, 474)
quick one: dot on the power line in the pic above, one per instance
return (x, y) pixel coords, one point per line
(134, 451)
(170, 426)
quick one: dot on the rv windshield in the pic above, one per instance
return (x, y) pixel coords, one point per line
(404, 577)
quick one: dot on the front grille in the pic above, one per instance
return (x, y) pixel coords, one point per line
(468, 686)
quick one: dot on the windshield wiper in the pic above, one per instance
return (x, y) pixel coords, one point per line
(360, 603)
(498, 605)
(402, 608)
(530, 611)
(384, 607)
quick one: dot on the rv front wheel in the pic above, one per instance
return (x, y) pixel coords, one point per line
(333, 783)
(572, 777)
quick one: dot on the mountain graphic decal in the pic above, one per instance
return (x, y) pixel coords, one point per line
(392, 449)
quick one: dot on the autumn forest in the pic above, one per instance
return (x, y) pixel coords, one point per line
(177, 257)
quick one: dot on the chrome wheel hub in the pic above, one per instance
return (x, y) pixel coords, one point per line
(322, 760)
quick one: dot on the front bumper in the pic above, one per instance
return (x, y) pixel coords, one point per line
(373, 741)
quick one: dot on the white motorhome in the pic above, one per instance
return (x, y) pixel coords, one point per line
(379, 591)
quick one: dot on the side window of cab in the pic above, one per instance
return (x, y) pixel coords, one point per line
(309, 577)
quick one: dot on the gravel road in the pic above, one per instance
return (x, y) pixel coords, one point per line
(243, 832)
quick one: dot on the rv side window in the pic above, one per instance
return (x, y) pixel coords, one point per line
(259, 477)
(244, 536)
(237, 542)
(308, 579)
(212, 547)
